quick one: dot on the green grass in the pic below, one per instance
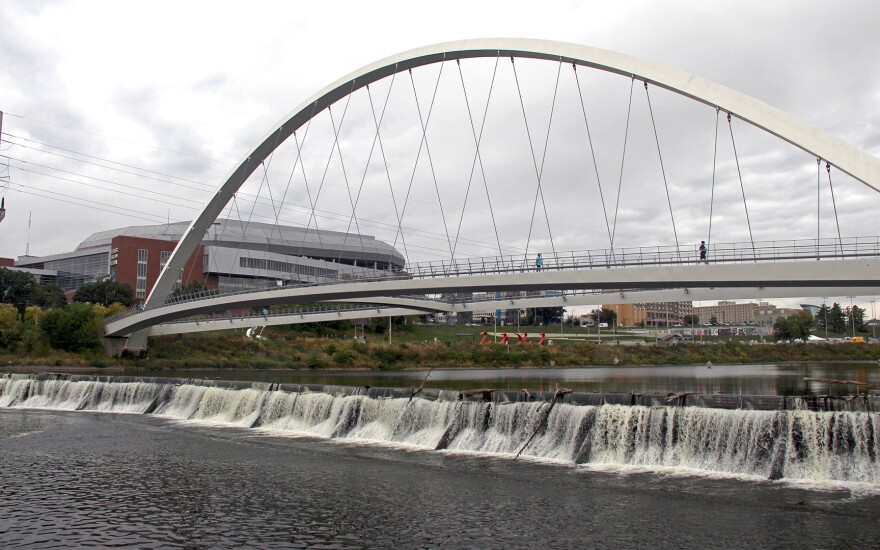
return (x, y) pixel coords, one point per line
(414, 346)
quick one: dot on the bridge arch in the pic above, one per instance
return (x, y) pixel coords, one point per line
(842, 155)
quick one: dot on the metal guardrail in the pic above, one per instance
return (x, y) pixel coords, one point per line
(653, 256)
(760, 251)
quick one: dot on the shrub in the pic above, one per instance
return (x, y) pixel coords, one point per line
(10, 325)
(34, 340)
(74, 328)
(344, 356)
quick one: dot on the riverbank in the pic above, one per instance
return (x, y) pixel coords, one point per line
(285, 350)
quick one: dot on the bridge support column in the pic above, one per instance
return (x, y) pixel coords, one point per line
(114, 345)
(137, 341)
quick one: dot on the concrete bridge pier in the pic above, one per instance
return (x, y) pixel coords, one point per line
(114, 346)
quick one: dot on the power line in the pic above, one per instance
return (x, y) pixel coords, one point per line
(114, 138)
(28, 190)
(326, 214)
(205, 185)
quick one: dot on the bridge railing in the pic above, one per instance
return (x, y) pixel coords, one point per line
(645, 256)
(759, 251)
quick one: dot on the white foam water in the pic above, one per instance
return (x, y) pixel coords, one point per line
(802, 446)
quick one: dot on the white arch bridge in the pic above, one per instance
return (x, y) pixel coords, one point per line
(367, 157)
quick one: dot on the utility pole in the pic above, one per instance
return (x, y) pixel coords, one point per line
(852, 316)
(873, 321)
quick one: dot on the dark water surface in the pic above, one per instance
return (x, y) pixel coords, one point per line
(755, 379)
(74, 479)
(760, 379)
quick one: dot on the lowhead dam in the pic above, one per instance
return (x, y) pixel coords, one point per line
(771, 437)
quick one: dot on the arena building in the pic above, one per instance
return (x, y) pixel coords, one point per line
(233, 255)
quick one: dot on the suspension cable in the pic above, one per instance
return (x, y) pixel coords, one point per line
(538, 171)
(663, 171)
(244, 229)
(477, 156)
(323, 178)
(306, 180)
(296, 162)
(281, 204)
(714, 169)
(818, 204)
(422, 142)
(622, 160)
(592, 153)
(834, 203)
(314, 205)
(384, 158)
(351, 202)
(433, 172)
(276, 212)
(377, 138)
(741, 186)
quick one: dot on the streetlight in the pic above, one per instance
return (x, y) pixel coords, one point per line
(702, 323)
(852, 315)
(825, 310)
(873, 321)
(616, 318)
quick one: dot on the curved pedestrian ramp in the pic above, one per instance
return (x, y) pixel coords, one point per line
(802, 439)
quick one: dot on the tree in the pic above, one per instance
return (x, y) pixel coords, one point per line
(713, 320)
(48, 295)
(796, 326)
(104, 292)
(604, 315)
(10, 323)
(836, 318)
(77, 327)
(691, 320)
(821, 316)
(548, 315)
(15, 288)
(856, 317)
(112, 309)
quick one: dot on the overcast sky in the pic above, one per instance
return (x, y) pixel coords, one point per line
(172, 94)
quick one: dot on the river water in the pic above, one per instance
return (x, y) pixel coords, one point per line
(163, 463)
(758, 379)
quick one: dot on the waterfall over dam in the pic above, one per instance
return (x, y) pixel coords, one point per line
(774, 437)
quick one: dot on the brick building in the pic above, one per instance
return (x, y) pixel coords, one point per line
(651, 314)
(138, 262)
